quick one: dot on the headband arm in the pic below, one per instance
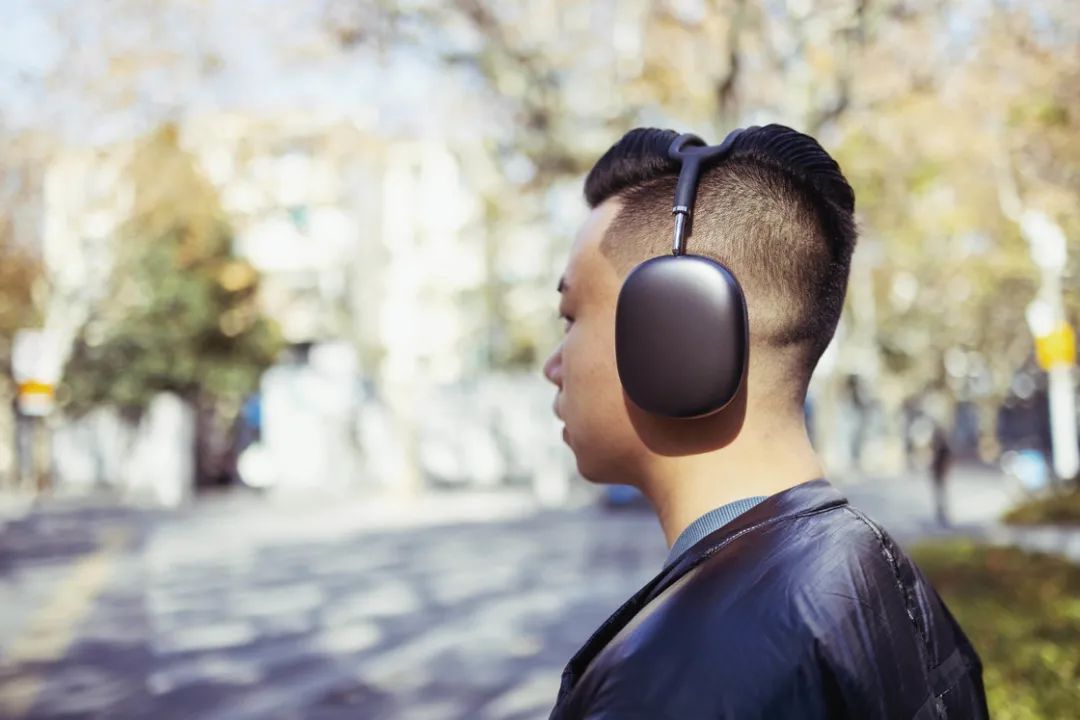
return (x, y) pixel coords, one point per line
(691, 151)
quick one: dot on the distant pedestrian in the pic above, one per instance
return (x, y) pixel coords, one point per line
(940, 461)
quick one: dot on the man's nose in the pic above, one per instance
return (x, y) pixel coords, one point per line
(553, 368)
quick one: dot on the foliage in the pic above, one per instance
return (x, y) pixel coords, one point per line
(927, 105)
(1022, 613)
(182, 314)
(938, 159)
(21, 272)
(930, 106)
(1061, 508)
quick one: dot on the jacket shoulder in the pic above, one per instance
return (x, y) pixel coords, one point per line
(822, 610)
(734, 625)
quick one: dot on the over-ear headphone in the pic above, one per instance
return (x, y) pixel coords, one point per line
(681, 330)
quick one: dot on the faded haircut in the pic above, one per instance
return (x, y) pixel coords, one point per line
(776, 211)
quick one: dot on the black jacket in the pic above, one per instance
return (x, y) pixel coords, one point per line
(799, 608)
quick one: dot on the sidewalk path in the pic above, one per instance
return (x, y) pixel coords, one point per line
(14, 506)
(459, 605)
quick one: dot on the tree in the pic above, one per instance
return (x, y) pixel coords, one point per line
(182, 314)
(22, 283)
(20, 277)
(565, 79)
(920, 99)
(942, 127)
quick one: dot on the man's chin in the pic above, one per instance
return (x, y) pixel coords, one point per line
(594, 468)
(594, 475)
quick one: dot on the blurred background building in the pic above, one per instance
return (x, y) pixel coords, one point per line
(313, 245)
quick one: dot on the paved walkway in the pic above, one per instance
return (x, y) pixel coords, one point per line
(238, 608)
(462, 606)
(14, 506)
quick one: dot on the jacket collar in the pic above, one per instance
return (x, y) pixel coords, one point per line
(802, 499)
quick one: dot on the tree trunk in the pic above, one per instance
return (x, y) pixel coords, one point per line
(210, 468)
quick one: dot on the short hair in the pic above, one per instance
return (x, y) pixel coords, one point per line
(776, 211)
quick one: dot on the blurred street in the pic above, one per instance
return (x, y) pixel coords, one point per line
(238, 609)
(462, 606)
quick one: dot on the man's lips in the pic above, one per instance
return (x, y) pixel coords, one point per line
(555, 409)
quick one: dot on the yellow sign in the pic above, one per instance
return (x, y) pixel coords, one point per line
(1057, 348)
(33, 387)
(36, 399)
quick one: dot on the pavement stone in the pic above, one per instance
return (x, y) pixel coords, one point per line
(244, 610)
(453, 607)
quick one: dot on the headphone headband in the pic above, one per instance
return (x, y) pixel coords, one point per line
(691, 151)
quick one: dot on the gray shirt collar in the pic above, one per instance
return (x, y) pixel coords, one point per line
(708, 523)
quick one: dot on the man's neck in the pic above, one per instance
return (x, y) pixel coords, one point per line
(682, 489)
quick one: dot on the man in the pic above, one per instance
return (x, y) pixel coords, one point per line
(778, 599)
(940, 460)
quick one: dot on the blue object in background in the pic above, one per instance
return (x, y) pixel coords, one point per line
(1029, 467)
(251, 411)
(622, 496)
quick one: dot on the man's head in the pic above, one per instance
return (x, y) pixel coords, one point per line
(776, 211)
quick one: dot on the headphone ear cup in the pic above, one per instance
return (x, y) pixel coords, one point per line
(681, 336)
